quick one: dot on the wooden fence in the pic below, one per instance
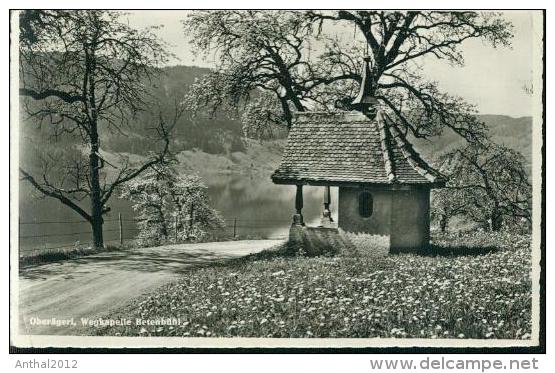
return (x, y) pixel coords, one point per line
(58, 234)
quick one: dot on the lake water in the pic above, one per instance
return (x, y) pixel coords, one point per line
(261, 209)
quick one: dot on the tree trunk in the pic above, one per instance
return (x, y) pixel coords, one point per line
(165, 232)
(96, 203)
(98, 239)
(191, 222)
(496, 222)
(443, 222)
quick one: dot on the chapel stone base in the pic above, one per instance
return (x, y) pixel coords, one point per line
(315, 241)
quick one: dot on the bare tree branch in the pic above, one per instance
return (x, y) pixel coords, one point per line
(49, 191)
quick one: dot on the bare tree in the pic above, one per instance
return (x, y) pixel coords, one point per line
(82, 73)
(487, 184)
(446, 204)
(256, 51)
(271, 52)
(398, 40)
(264, 54)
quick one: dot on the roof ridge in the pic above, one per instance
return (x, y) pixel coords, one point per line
(323, 112)
(410, 154)
(350, 148)
(386, 151)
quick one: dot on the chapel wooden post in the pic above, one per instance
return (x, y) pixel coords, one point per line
(326, 216)
(298, 217)
(120, 229)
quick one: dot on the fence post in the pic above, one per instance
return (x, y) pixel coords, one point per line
(234, 227)
(120, 229)
(175, 228)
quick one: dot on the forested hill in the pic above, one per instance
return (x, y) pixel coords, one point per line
(221, 135)
(212, 134)
(515, 133)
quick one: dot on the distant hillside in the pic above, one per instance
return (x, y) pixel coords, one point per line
(515, 133)
(217, 134)
(210, 140)
(264, 157)
(258, 158)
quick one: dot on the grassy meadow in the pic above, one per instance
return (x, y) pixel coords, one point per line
(467, 286)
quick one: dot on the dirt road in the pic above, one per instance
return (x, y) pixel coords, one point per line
(93, 286)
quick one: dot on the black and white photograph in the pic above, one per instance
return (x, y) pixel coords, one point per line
(276, 178)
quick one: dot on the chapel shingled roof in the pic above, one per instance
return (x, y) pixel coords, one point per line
(348, 147)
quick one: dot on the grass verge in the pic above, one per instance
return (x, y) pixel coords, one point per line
(446, 293)
(43, 256)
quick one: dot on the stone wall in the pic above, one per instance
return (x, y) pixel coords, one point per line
(315, 241)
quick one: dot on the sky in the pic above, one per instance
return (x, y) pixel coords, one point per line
(497, 80)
